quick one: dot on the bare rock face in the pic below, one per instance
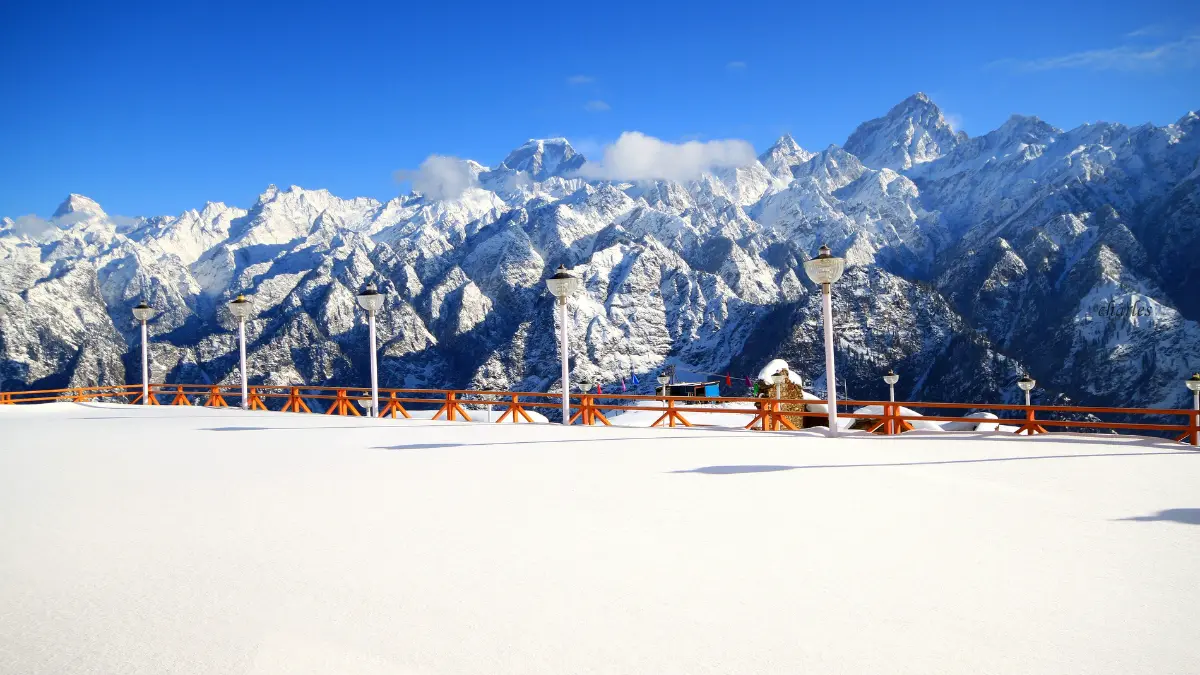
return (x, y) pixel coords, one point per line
(970, 261)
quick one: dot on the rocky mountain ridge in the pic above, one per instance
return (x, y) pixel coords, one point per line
(970, 260)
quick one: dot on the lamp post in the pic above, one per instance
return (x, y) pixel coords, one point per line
(891, 379)
(778, 379)
(1193, 383)
(825, 270)
(562, 286)
(3, 313)
(142, 313)
(240, 309)
(372, 301)
(663, 380)
(1026, 384)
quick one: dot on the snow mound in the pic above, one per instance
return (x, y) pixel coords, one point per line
(775, 366)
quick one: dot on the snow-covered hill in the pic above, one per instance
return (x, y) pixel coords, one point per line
(970, 260)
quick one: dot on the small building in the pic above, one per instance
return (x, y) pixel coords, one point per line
(707, 389)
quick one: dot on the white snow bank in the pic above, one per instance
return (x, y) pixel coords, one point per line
(775, 366)
(974, 426)
(916, 424)
(187, 540)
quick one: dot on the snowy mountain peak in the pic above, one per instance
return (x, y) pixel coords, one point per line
(786, 144)
(543, 158)
(76, 204)
(785, 154)
(914, 131)
(270, 193)
(1028, 124)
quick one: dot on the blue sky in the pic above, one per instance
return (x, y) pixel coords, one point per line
(160, 107)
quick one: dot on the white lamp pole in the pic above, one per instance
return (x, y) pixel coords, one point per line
(891, 378)
(1193, 383)
(778, 379)
(1026, 384)
(372, 300)
(240, 309)
(562, 286)
(825, 270)
(3, 313)
(142, 313)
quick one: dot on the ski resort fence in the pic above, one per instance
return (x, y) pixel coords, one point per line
(767, 414)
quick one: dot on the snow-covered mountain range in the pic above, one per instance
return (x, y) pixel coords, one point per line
(970, 261)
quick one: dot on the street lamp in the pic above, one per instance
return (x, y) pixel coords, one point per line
(663, 379)
(891, 379)
(562, 286)
(825, 270)
(1026, 383)
(778, 379)
(240, 308)
(372, 301)
(1193, 383)
(3, 313)
(142, 313)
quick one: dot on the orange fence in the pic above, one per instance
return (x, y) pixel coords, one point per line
(766, 414)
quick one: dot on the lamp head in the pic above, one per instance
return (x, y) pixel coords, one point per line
(563, 284)
(240, 307)
(824, 269)
(143, 312)
(891, 378)
(370, 299)
(1193, 382)
(1026, 383)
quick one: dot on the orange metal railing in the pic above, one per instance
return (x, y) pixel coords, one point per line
(766, 414)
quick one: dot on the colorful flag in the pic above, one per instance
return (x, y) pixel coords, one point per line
(728, 380)
(599, 390)
(749, 383)
(623, 385)
(633, 375)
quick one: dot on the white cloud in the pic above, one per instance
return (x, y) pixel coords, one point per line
(440, 177)
(636, 156)
(597, 106)
(1182, 53)
(32, 226)
(954, 120)
(1146, 31)
(735, 65)
(580, 79)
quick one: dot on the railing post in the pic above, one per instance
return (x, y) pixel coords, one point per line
(889, 412)
(294, 402)
(1195, 428)
(256, 403)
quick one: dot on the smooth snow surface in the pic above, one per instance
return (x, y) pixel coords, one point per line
(186, 540)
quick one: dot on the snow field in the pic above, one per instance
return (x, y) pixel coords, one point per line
(186, 540)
